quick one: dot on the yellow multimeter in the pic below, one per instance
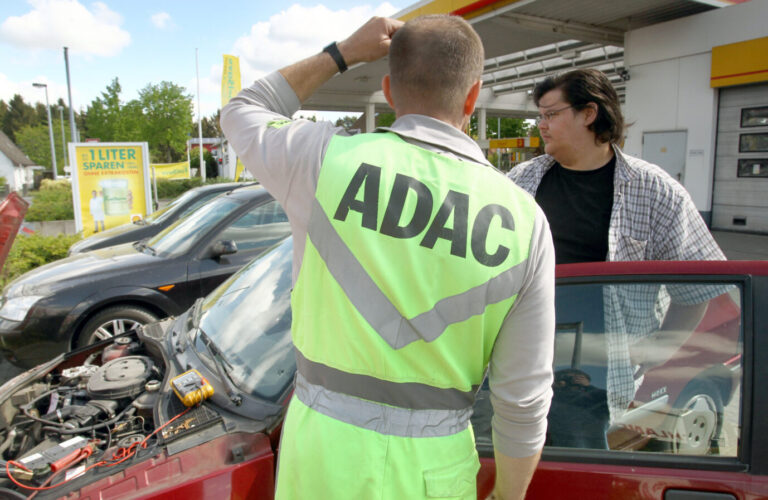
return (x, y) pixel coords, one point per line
(191, 387)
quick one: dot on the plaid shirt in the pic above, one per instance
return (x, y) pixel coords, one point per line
(653, 218)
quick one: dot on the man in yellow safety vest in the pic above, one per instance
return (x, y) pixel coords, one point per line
(416, 265)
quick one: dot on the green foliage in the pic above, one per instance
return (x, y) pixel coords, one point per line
(3, 181)
(18, 114)
(210, 126)
(34, 141)
(167, 189)
(171, 188)
(385, 119)
(211, 165)
(349, 123)
(30, 252)
(510, 127)
(167, 114)
(52, 202)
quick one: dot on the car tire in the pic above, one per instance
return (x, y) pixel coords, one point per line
(113, 321)
(700, 421)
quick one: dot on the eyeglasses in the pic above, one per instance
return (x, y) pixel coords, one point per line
(545, 117)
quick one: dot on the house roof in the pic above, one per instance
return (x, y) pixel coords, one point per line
(12, 151)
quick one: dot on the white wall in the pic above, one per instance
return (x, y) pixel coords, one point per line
(7, 170)
(669, 66)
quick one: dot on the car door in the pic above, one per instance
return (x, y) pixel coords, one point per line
(252, 232)
(655, 365)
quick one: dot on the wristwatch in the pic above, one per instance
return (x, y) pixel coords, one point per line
(333, 51)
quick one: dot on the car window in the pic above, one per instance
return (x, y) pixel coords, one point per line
(248, 317)
(168, 210)
(202, 201)
(261, 226)
(180, 236)
(648, 367)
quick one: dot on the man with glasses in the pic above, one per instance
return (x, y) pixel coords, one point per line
(603, 205)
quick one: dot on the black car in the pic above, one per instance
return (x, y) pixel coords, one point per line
(94, 295)
(155, 222)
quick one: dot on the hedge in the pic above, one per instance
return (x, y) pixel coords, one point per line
(31, 251)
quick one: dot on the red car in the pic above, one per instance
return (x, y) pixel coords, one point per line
(656, 369)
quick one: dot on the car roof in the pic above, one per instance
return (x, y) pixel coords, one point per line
(658, 267)
(223, 186)
(249, 192)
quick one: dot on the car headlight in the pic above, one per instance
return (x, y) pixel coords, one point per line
(16, 308)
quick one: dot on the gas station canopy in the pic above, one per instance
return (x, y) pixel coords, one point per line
(525, 41)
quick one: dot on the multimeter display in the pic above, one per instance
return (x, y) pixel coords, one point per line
(191, 387)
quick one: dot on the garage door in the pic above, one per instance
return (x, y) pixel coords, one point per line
(740, 199)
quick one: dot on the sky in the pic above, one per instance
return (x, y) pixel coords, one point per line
(149, 41)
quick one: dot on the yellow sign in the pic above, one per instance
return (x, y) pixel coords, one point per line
(230, 86)
(515, 142)
(110, 184)
(230, 79)
(179, 170)
(739, 63)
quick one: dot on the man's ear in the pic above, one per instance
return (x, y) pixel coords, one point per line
(471, 99)
(385, 87)
(590, 113)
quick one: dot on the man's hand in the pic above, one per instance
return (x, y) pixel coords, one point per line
(370, 42)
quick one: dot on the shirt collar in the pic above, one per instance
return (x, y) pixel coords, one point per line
(437, 133)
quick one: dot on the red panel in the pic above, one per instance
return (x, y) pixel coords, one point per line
(202, 472)
(754, 267)
(12, 211)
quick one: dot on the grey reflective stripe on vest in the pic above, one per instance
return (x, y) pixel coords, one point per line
(379, 311)
(388, 420)
(405, 395)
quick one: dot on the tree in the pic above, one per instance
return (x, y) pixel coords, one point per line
(34, 141)
(210, 126)
(18, 114)
(385, 119)
(510, 127)
(105, 119)
(348, 122)
(211, 165)
(167, 119)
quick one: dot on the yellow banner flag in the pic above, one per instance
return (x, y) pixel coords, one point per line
(230, 79)
(179, 170)
(230, 86)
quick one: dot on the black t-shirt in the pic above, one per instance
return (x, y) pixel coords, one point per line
(578, 207)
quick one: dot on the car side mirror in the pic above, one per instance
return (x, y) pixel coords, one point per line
(223, 247)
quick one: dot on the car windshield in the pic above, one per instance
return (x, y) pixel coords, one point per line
(160, 215)
(180, 236)
(248, 317)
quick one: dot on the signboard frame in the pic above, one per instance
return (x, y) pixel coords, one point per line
(76, 181)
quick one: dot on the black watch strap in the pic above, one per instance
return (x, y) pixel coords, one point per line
(333, 51)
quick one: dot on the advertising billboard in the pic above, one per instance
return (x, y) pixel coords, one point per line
(110, 184)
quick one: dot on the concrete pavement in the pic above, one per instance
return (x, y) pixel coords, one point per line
(742, 246)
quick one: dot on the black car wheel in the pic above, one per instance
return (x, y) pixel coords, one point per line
(699, 419)
(113, 321)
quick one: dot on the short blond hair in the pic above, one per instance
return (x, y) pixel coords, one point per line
(434, 60)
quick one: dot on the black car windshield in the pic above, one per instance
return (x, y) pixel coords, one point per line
(248, 318)
(160, 215)
(180, 236)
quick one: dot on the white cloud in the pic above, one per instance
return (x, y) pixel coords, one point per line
(53, 24)
(32, 94)
(298, 32)
(161, 20)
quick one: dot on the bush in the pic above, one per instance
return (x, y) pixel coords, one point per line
(169, 188)
(52, 202)
(29, 252)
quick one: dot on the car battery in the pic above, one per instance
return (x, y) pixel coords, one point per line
(56, 457)
(191, 387)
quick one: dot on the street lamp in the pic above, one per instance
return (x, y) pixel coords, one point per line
(50, 127)
(63, 140)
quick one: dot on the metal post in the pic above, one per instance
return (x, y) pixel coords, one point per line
(72, 126)
(50, 129)
(63, 140)
(199, 121)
